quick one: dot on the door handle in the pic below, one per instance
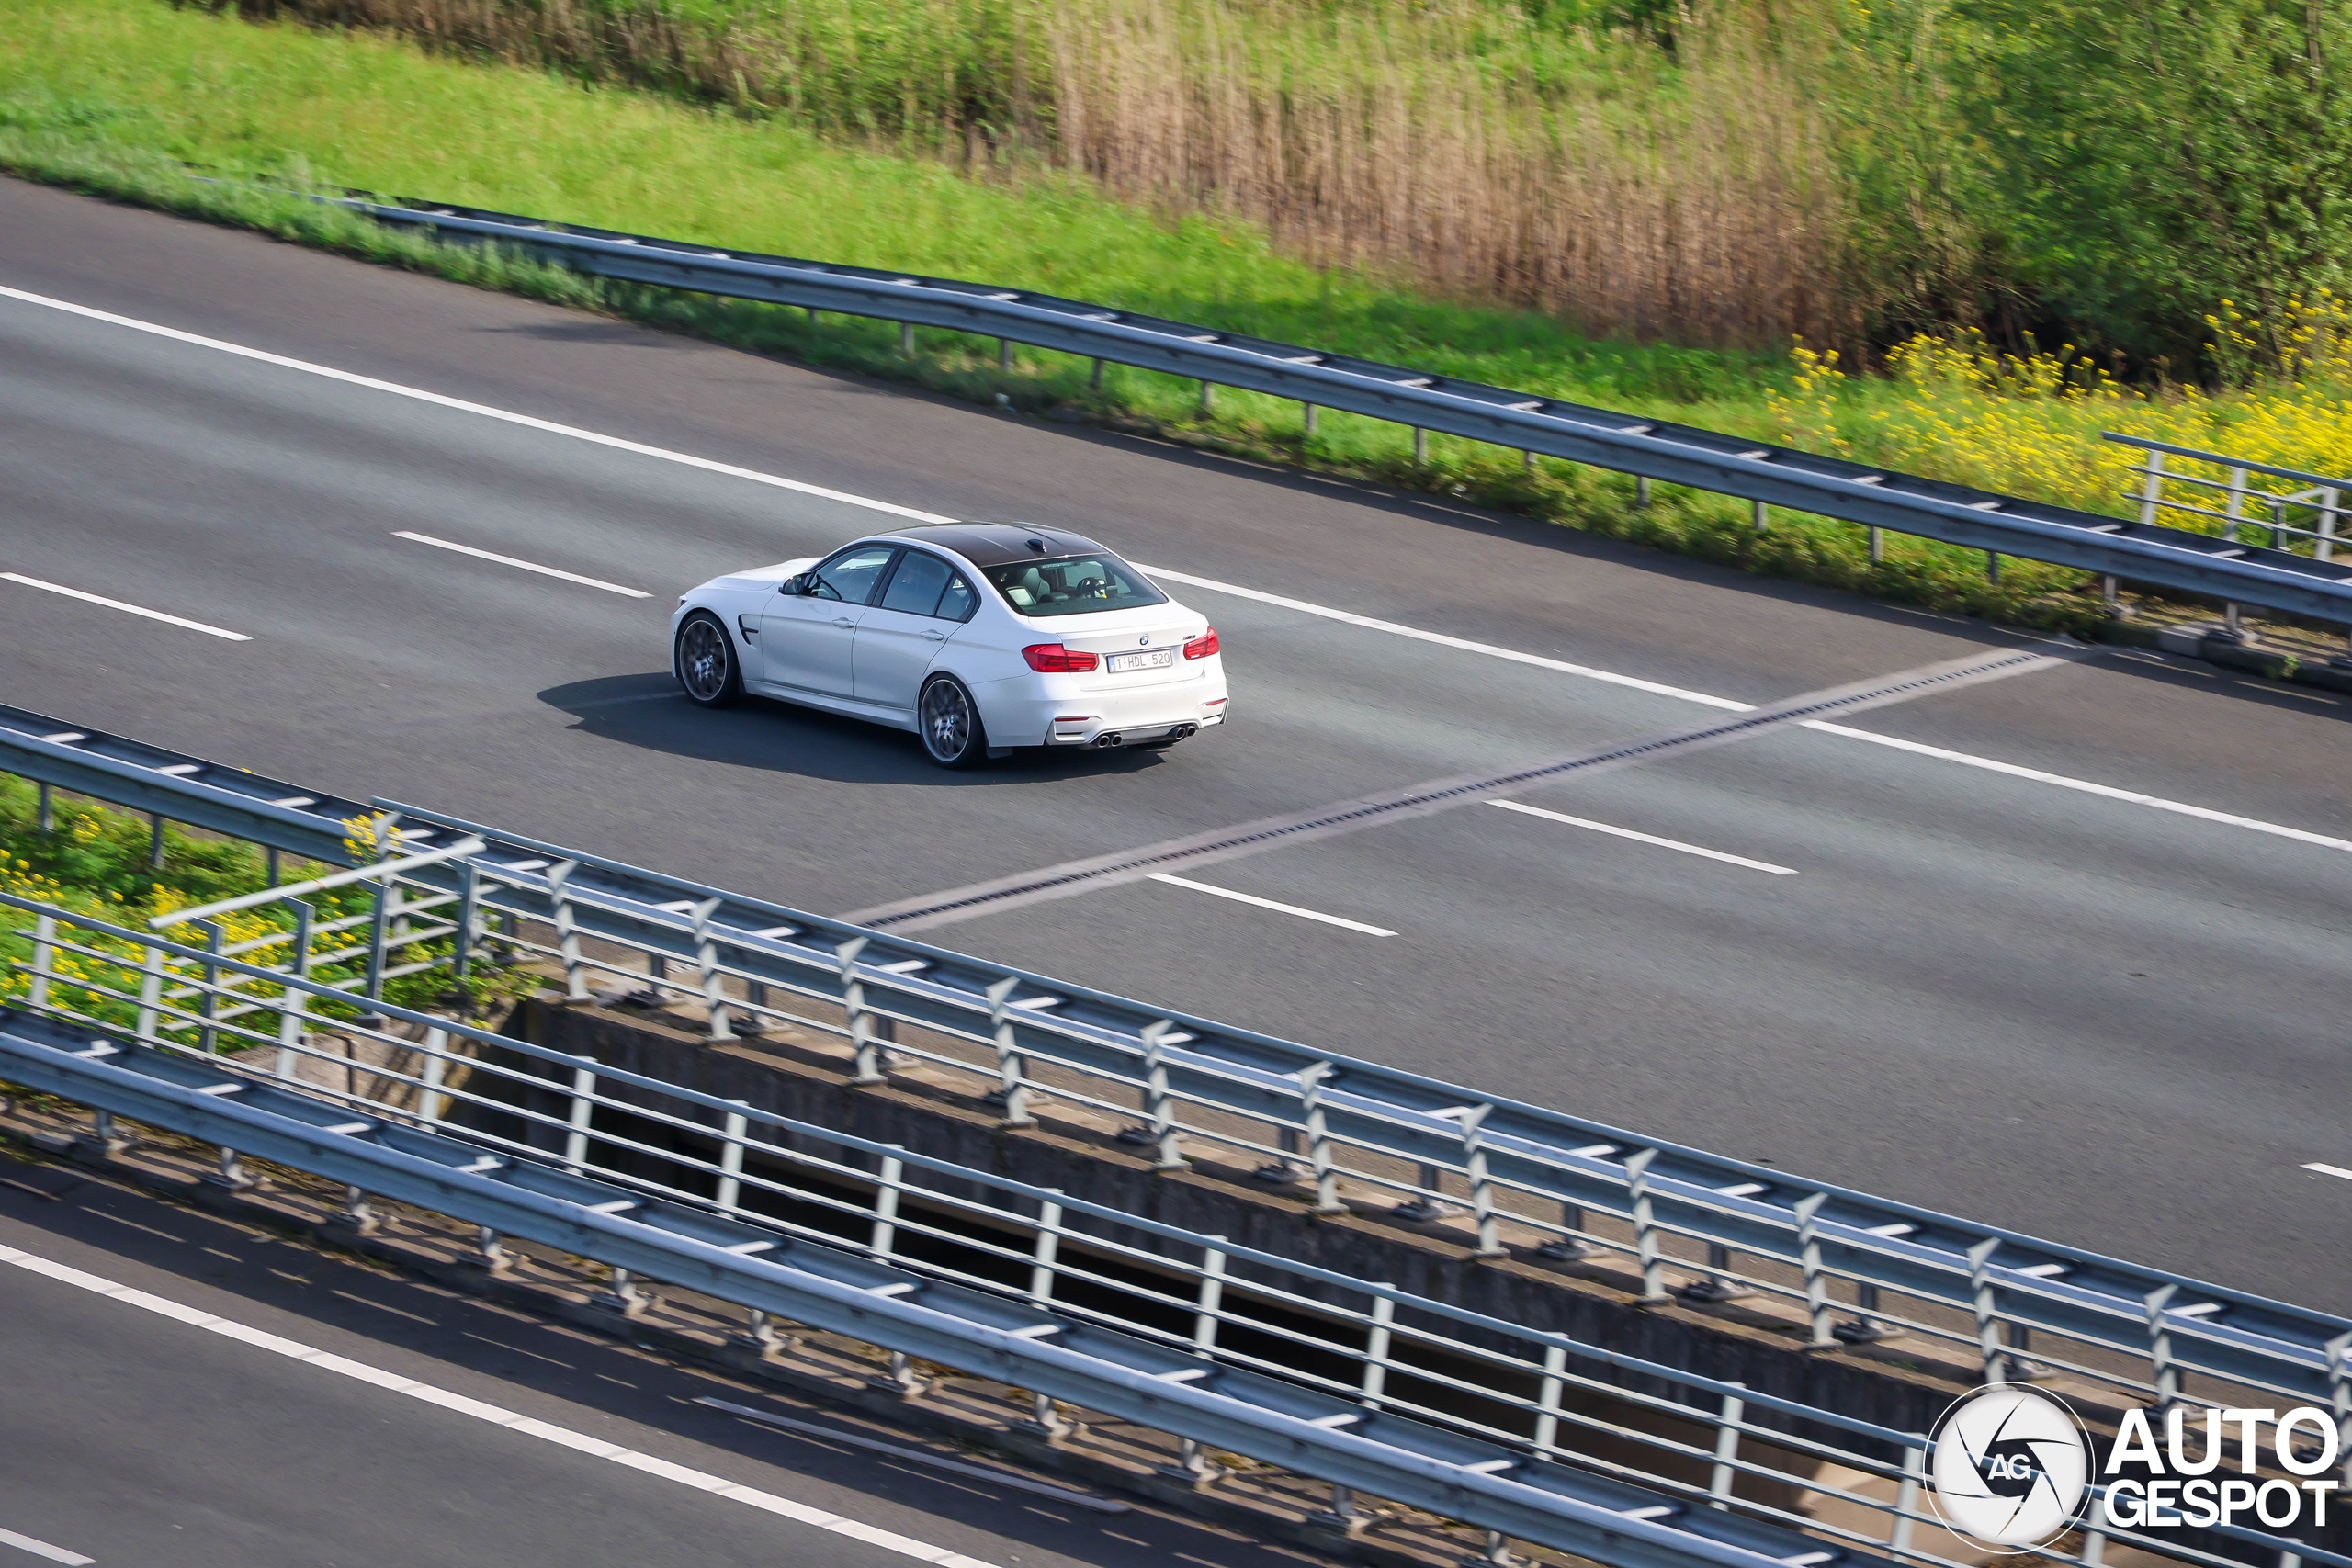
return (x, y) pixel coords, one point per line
(934, 636)
(843, 621)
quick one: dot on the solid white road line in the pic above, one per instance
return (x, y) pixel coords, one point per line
(527, 565)
(2330, 1171)
(549, 426)
(1647, 839)
(1393, 628)
(1466, 646)
(43, 1549)
(597, 1448)
(126, 609)
(1270, 904)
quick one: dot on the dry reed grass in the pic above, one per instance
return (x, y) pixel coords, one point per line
(1703, 204)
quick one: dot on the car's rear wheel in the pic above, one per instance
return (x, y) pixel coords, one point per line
(949, 723)
(704, 662)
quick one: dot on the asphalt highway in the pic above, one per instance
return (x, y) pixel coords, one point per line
(1943, 969)
(184, 1428)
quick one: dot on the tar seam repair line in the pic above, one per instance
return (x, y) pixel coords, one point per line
(1393, 628)
(1096, 871)
(701, 1480)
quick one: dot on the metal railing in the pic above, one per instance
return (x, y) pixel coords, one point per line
(1532, 1435)
(2310, 517)
(2136, 550)
(1505, 1177)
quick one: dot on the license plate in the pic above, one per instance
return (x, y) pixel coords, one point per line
(1157, 658)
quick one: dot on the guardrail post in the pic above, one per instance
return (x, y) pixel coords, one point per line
(1816, 1284)
(1156, 1107)
(149, 1025)
(155, 841)
(1307, 421)
(1192, 1464)
(584, 1109)
(907, 340)
(866, 1057)
(1878, 543)
(1342, 1515)
(1646, 1249)
(44, 956)
(1756, 516)
(1010, 1066)
(1987, 1309)
(2165, 1376)
(1208, 399)
(1375, 1349)
(429, 1098)
(2151, 488)
(1547, 1399)
(730, 1159)
(621, 1295)
(489, 1253)
(714, 986)
(1421, 448)
(567, 932)
(208, 1039)
(1004, 354)
(1567, 1248)
(1992, 567)
(468, 914)
(1095, 381)
(293, 1003)
(1641, 489)
(1726, 1471)
(1318, 1146)
(2324, 546)
(358, 1217)
(1044, 1419)
(48, 816)
(1482, 1197)
(885, 1205)
(759, 1336)
(1906, 1495)
(230, 1177)
(379, 923)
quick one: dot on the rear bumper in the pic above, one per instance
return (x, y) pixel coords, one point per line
(1016, 717)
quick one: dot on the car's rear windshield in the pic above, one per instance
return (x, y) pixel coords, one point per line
(1073, 585)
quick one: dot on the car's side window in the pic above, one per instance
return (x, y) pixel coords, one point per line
(958, 602)
(850, 576)
(915, 585)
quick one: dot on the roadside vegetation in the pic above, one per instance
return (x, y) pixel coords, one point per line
(98, 860)
(1678, 217)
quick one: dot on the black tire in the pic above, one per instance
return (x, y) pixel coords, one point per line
(704, 663)
(948, 723)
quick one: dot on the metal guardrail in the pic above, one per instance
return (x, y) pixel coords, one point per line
(1530, 1435)
(1764, 475)
(1839, 1264)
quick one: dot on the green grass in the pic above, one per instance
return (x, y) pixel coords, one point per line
(116, 96)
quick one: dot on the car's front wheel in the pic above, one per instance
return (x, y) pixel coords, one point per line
(704, 661)
(949, 724)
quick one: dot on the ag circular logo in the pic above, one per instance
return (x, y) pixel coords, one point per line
(2010, 1467)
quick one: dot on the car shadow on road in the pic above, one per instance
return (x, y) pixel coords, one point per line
(650, 713)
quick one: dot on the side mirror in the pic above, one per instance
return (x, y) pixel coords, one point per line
(796, 584)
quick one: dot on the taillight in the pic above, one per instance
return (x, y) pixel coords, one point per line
(1053, 658)
(1202, 646)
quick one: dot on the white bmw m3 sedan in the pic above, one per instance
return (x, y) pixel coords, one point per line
(979, 637)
